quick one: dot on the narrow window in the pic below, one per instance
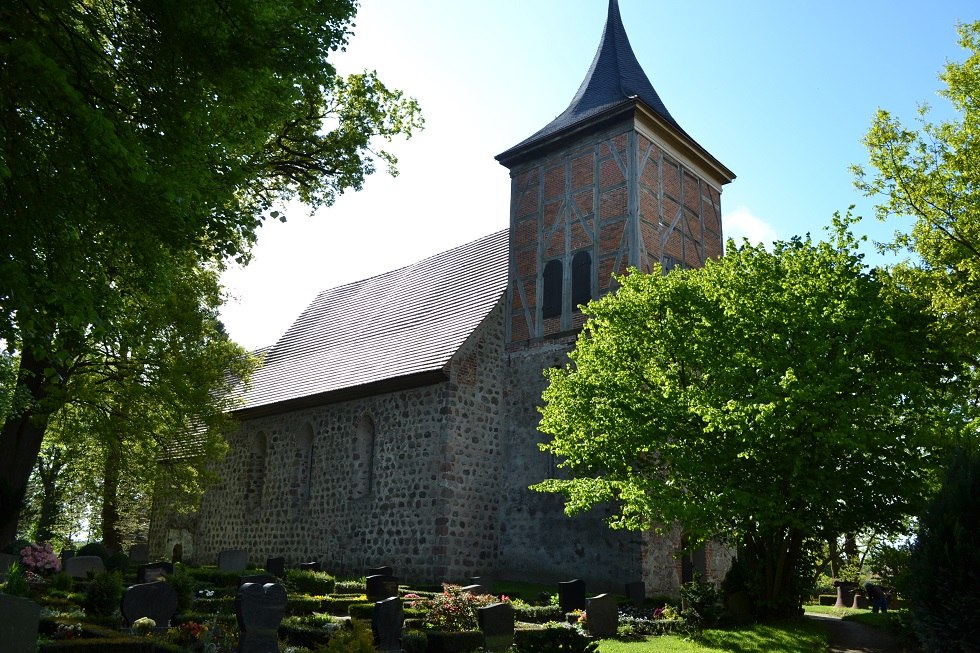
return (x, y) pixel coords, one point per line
(304, 466)
(581, 279)
(552, 289)
(255, 472)
(363, 458)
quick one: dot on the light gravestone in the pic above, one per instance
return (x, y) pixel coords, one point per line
(636, 592)
(156, 600)
(386, 623)
(475, 590)
(497, 623)
(571, 595)
(276, 566)
(381, 587)
(232, 560)
(139, 554)
(19, 619)
(602, 615)
(80, 566)
(260, 609)
(153, 571)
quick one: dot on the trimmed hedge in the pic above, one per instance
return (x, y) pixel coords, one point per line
(214, 576)
(538, 614)
(310, 582)
(443, 642)
(361, 611)
(554, 638)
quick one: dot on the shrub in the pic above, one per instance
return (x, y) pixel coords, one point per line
(62, 582)
(415, 641)
(702, 604)
(14, 547)
(303, 581)
(554, 638)
(95, 549)
(103, 594)
(117, 562)
(40, 558)
(350, 587)
(454, 642)
(945, 561)
(361, 611)
(356, 639)
(185, 586)
(455, 610)
(537, 614)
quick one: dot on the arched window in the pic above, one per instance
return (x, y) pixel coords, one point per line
(362, 464)
(581, 279)
(255, 472)
(304, 466)
(552, 289)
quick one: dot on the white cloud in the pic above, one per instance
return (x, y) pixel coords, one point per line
(741, 223)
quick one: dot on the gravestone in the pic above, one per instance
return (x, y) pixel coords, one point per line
(66, 554)
(260, 609)
(232, 560)
(571, 595)
(475, 590)
(156, 600)
(602, 615)
(483, 580)
(845, 593)
(497, 623)
(139, 554)
(381, 587)
(386, 623)
(276, 566)
(80, 566)
(380, 571)
(19, 619)
(636, 592)
(259, 579)
(309, 566)
(152, 571)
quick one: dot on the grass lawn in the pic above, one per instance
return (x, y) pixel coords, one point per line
(799, 636)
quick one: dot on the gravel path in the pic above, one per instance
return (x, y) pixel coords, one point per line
(854, 637)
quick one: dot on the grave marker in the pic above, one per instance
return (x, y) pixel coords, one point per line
(139, 554)
(153, 571)
(381, 587)
(602, 615)
(636, 592)
(80, 566)
(309, 566)
(276, 566)
(19, 619)
(232, 560)
(475, 590)
(380, 571)
(156, 600)
(260, 609)
(386, 623)
(571, 595)
(497, 623)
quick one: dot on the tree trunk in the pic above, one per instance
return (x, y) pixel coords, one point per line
(772, 562)
(111, 537)
(49, 467)
(20, 441)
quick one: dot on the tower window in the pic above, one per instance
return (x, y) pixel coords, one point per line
(552, 289)
(581, 279)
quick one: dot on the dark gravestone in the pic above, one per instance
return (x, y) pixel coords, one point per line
(636, 592)
(380, 571)
(475, 590)
(232, 560)
(139, 554)
(258, 579)
(309, 566)
(497, 623)
(80, 566)
(386, 623)
(276, 566)
(19, 619)
(381, 587)
(571, 595)
(157, 600)
(602, 615)
(260, 609)
(150, 572)
(484, 581)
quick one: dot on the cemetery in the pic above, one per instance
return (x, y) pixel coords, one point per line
(92, 600)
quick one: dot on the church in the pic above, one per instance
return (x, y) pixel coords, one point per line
(394, 423)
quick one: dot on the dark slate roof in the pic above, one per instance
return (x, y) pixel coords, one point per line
(400, 324)
(615, 78)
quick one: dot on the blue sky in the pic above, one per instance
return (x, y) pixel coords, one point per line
(780, 91)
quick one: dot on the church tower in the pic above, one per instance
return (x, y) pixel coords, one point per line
(613, 182)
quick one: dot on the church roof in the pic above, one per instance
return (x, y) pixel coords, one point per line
(396, 329)
(615, 78)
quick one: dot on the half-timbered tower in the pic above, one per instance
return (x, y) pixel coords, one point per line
(395, 422)
(612, 183)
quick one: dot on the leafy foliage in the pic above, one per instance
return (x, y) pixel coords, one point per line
(310, 582)
(769, 398)
(103, 593)
(945, 561)
(455, 610)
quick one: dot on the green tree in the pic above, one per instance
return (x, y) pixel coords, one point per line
(138, 132)
(767, 399)
(932, 174)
